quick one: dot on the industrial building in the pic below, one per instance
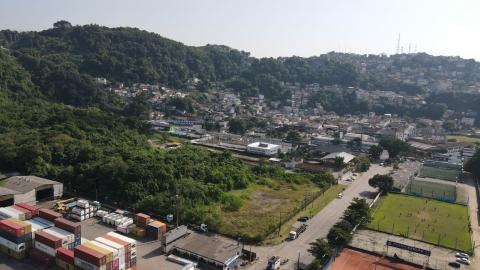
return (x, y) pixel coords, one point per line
(28, 189)
(264, 149)
(215, 251)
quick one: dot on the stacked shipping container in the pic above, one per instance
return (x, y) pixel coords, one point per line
(15, 236)
(65, 259)
(72, 227)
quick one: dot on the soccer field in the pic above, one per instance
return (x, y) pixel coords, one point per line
(434, 190)
(435, 222)
(440, 173)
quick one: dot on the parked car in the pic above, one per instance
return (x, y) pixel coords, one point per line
(303, 219)
(454, 264)
(463, 260)
(462, 255)
(340, 195)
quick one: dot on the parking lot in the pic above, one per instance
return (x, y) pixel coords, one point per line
(376, 242)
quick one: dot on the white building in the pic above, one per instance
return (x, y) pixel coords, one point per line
(264, 149)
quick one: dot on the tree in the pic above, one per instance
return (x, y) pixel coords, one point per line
(338, 237)
(394, 146)
(293, 137)
(357, 211)
(62, 24)
(362, 164)
(473, 165)
(338, 163)
(384, 183)
(320, 249)
(375, 151)
(237, 126)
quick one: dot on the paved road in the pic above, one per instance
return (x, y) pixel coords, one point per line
(469, 186)
(320, 224)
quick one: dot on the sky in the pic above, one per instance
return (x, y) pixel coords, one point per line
(272, 28)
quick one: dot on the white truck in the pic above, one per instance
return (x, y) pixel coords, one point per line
(273, 263)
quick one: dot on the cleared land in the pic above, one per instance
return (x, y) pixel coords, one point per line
(435, 222)
(439, 173)
(463, 139)
(434, 190)
(265, 204)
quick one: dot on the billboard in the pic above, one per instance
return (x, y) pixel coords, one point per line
(409, 248)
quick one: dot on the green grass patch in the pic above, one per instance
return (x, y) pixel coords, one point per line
(440, 173)
(431, 221)
(259, 213)
(460, 138)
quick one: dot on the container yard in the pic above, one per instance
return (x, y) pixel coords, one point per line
(37, 238)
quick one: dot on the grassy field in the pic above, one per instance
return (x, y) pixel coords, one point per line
(260, 213)
(439, 173)
(433, 190)
(459, 138)
(435, 222)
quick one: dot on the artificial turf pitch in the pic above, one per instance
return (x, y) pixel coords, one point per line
(431, 221)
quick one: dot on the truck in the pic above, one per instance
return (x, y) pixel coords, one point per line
(273, 263)
(292, 235)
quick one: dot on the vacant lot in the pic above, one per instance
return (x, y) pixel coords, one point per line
(264, 205)
(464, 139)
(435, 222)
(439, 173)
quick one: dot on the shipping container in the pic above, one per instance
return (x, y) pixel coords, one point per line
(101, 249)
(133, 242)
(138, 231)
(81, 264)
(83, 203)
(65, 255)
(90, 255)
(11, 245)
(65, 265)
(78, 217)
(8, 213)
(47, 223)
(45, 249)
(31, 208)
(27, 213)
(41, 258)
(48, 214)
(72, 227)
(12, 228)
(27, 226)
(67, 237)
(19, 255)
(17, 240)
(48, 239)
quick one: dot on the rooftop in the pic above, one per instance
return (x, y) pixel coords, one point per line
(24, 184)
(346, 156)
(212, 247)
(263, 145)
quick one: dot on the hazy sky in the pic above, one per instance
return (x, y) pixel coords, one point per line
(275, 27)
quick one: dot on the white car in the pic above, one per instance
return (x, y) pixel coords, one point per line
(463, 260)
(462, 255)
(340, 195)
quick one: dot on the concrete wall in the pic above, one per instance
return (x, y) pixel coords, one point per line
(28, 197)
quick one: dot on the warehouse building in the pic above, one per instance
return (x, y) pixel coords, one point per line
(214, 251)
(263, 149)
(28, 189)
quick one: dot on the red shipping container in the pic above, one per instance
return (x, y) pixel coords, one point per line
(48, 214)
(90, 255)
(48, 239)
(28, 214)
(72, 227)
(12, 228)
(66, 255)
(42, 258)
(31, 208)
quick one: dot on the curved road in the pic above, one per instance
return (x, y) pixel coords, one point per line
(320, 224)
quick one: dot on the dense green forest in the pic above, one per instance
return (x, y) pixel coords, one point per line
(101, 154)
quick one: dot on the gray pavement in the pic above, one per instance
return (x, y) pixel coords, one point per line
(320, 224)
